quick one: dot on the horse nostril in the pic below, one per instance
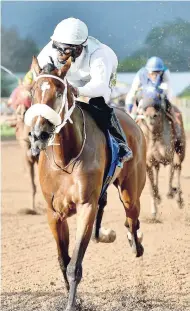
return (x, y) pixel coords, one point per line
(44, 136)
(154, 116)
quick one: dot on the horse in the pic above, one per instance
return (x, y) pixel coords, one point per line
(73, 158)
(21, 132)
(162, 146)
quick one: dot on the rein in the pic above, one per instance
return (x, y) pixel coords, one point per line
(82, 147)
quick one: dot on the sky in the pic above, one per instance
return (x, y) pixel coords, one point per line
(123, 25)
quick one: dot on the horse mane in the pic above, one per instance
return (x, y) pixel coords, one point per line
(49, 67)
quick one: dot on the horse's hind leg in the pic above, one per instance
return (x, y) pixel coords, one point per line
(60, 232)
(179, 191)
(132, 223)
(101, 234)
(172, 190)
(85, 220)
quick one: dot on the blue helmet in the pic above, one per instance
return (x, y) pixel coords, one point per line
(154, 64)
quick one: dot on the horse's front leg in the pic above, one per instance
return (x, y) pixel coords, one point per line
(60, 232)
(158, 198)
(179, 191)
(153, 189)
(85, 220)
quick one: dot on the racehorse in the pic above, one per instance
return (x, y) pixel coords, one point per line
(162, 146)
(73, 158)
(20, 103)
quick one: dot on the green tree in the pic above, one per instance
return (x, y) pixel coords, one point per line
(185, 93)
(16, 53)
(171, 42)
(6, 84)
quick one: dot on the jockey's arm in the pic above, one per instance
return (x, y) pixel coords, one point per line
(132, 92)
(167, 81)
(101, 69)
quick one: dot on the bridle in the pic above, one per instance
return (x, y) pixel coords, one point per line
(67, 116)
(68, 112)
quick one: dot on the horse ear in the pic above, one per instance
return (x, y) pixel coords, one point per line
(35, 67)
(63, 71)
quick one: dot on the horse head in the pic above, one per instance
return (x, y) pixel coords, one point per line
(151, 106)
(52, 104)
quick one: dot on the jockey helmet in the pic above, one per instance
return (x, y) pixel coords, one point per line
(71, 31)
(154, 64)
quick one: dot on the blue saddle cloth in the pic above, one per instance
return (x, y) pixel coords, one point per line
(114, 161)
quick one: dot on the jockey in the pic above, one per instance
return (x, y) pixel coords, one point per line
(153, 76)
(92, 73)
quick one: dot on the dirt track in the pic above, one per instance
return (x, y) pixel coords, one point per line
(113, 280)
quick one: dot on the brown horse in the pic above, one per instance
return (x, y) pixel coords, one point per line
(72, 162)
(162, 147)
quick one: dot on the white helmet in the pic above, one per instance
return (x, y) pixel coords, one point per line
(70, 31)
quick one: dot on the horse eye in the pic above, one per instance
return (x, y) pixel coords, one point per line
(59, 95)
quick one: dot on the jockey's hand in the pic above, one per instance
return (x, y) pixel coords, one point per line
(74, 90)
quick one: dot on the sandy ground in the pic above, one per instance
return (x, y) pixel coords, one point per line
(112, 278)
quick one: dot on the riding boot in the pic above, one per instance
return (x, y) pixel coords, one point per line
(125, 153)
(107, 120)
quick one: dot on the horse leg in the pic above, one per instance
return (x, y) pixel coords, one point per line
(32, 171)
(153, 189)
(132, 223)
(99, 233)
(85, 218)
(179, 191)
(60, 232)
(158, 198)
(172, 190)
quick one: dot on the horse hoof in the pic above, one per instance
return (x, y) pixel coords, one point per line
(137, 248)
(170, 195)
(180, 203)
(154, 216)
(140, 250)
(140, 236)
(70, 309)
(106, 235)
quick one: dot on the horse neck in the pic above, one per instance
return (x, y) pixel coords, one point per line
(162, 131)
(167, 134)
(68, 142)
